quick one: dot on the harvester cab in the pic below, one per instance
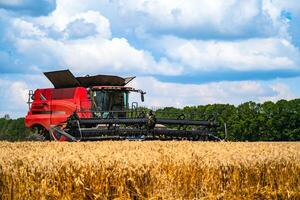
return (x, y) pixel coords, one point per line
(110, 100)
(98, 108)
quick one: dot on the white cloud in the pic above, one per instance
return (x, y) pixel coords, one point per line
(161, 94)
(14, 92)
(13, 95)
(94, 54)
(60, 20)
(69, 10)
(26, 29)
(86, 41)
(86, 52)
(100, 54)
(194, 12)
(202, 17)
(18, 93)
(283, 92)
(101, 23)
(245, 55)
(274, 7)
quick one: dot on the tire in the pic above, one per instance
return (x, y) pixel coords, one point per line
(39, 133)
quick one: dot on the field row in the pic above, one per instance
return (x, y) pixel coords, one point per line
(143, 170)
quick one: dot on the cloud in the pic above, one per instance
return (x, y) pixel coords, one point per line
(29, 7)
(92, 49)
(13, 95)
(168, 13)
(84, 44)
(93, 54)
(283, 92)
(197, 18)
(161, 94)
(85, 24)
(84, 39)
(192, 19)
(25, 29)
(14, 92)
(80, 29)
(246, 55)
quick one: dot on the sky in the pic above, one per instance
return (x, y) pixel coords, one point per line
(183, 53)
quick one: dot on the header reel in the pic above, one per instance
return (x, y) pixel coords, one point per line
(143, 127)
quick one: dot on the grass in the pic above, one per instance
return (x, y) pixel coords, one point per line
(149, 170)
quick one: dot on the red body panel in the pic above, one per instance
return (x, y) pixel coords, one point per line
(53, 106)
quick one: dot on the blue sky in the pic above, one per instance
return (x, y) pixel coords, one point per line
(182, 52)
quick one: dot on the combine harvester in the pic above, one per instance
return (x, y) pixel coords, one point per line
(97, 108)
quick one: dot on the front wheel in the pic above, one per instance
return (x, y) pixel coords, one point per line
(40, 133)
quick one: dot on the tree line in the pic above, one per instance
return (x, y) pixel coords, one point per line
(249, 121)
(13, 129)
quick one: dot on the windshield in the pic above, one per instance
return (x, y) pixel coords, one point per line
(105, 100)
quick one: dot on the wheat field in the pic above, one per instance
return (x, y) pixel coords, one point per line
(149, 170)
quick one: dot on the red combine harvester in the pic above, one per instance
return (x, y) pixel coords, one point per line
(97, 108)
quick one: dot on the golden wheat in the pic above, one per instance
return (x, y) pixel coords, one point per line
(149, 170)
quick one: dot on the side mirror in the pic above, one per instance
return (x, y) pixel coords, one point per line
(142, 96)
